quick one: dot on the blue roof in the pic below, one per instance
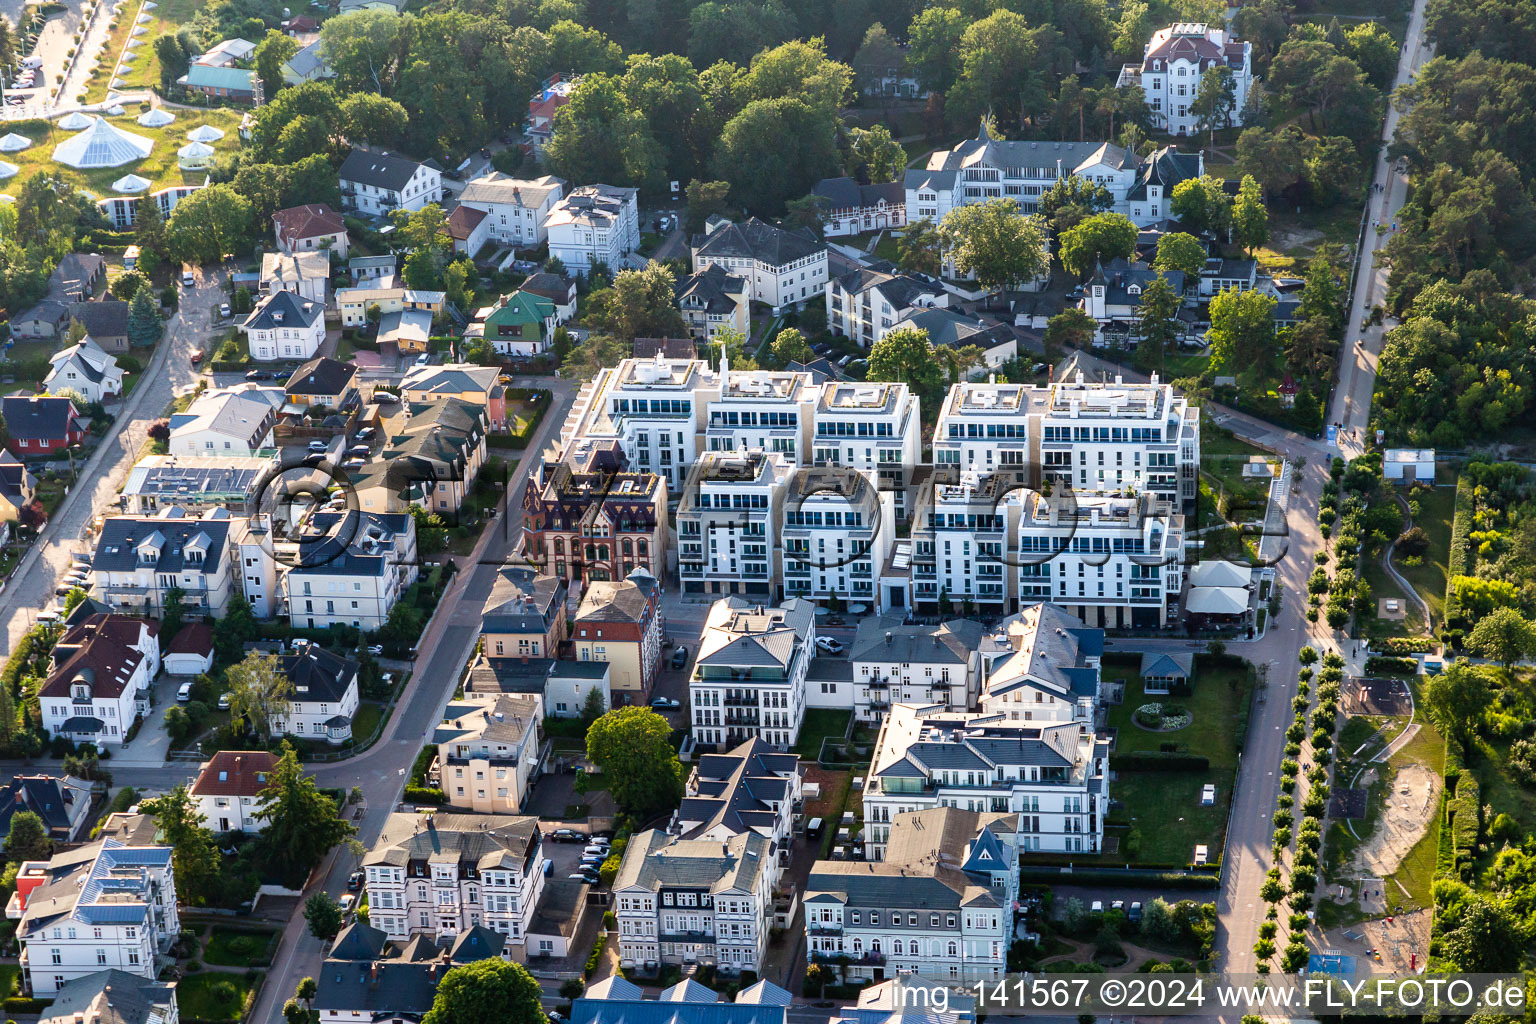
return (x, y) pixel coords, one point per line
(638, 1011)
(1090, 642)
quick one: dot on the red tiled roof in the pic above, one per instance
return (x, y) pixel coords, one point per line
(235, 773)
(463, 221)
(193, 638)
(98, 652)
(308, 220)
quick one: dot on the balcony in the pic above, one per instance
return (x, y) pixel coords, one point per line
(824, 928)
(686, 936)
(749, 701)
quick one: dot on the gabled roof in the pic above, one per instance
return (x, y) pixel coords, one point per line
(1171, 664)
(359, 941)
(498, 188)
(309, 221)
(924, 867)
(101, 318)
(845, 193)
(283, 309)
(206, 76)
(523, 601)
(626, 600)
(193, 638)
(1052, 652)
(322, 376)
(235, 773)
(102, 653)
(463, 221)
(58, 801)
(764, 243)
(318, 676)
(520, 308)
(388, 171)
(741, 634)
(1219, 573)
(654, 859)
(553, 287)
(452, 379)
(737, 790)
(466, 838)
(712, 290)
(1167, 168)
(111, 997)
(47, 418)
(122, 538)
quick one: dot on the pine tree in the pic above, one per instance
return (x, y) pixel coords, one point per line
(144, 324)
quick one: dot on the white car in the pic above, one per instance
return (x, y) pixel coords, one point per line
(376, 650)
(829, 644)
(184, 692)
(423, 359)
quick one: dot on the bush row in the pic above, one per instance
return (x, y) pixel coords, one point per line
(1165, 879)
(1384, 665)
(1456, 558)
(1161, 761)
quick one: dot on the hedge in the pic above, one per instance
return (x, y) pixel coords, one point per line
(597, 954)
(424, 795)
(1456, 558)
(21, 1004)
(1383, 665)
(1463, 807)
(1161, 761)
(1400, 645)
(1165, 879)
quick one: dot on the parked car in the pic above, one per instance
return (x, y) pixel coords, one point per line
(361, 451)
(593, 860)
(680, 656)
(224, 699)
(254, 375)
(366, 433)
(224, 310)
(313, 459)
(355, 881)
(376, 649)
(318, 445)
(596, 850)
(354, 463)
(184, 692)
(386, 397)
(424, 359)
(568, 835)
(197, 357)
(831, 645)
(1134, 914)
(665, 704)
(346, 902)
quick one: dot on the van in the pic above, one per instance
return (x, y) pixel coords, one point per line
(813, 828)
(187, 279)
(32, 63)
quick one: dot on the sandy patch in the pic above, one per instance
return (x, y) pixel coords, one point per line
(1288, 240)
(1397, 946)
(1409, 807)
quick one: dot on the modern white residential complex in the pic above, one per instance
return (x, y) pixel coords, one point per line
(728, 523)
(694, 901)
(442, 874)
(749, 680)
(838, 530)
(938, 906)
(874, 428)
(97, 907)
(770, 410)
(1054, 775)
(1171, 67)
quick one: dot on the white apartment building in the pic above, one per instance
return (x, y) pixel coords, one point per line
(324, 698)
(234, 421)
(1172, 64)
(782, 268)
(838, 530)
(97, 907)
(751, 788)
(306, 274)
(749, 680)
(865, 304)
(228, 789)
(1052, 674)
(729, 521)
(694, 901)
(985, 168)
(901, 664)
(1110, 561)
(653, 408)
(84, 368)
(593, 224)
(960, 541)
(100, 679)
(488, 751)
(938, 907)
(514, 208)
(351, 568)
(252, 556)
(441, 874)
(983, 428)
(139, 559)
(875, 428)
(377, 183)
(1055, 776)
(770, 410)
(285, 325)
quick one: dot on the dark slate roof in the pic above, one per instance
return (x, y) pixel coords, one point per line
(295, 310)
(32, 417)
(117, 544)
(844, 193)
(1167, 167)
(671, 348)
(359, 941)
(102, 318)
(51, 799)
(389, 171)
(321, 376)
(756, 240)
(522, 601)
(511, 675)
(318, 676)
(709, 289)
(735, 789)
(1124, 282)
(338, 544)
(110, 997)
(951, 642)
(15, 479)
(1167, 663)
(478, 943)
(553, 287)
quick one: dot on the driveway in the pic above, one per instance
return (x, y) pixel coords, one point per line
(151, 746)
(167, 373)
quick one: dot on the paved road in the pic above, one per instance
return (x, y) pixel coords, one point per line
(1351, 403)
(380, 770)
(168, 372)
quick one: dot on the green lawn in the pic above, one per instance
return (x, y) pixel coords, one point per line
(214, 995)
(237, 947)
(820, 723)
(369, 714)
(168, 14)
(10, 980)
(1436, 510)
(159, 167)
(1164, 807)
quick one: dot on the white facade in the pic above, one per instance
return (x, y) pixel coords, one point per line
(101, 906)
(306, 274)
(694, 901)
(728, 523)
(357, 588)
(233, 421)
(593, 224)
(377, 194)
(1172, 64)
(929, 665)
(865, 305)
(763, 409)
(874, 428)
(960, 538)
(438, 875)
(514, 209)
(781, 268)
(285, 326)
(228, 788)
(85, 368)
(1055, 776)
(838, 528)
(749, 679)
(654, 408)
(100, 680)
(140, 559)
(312, 719)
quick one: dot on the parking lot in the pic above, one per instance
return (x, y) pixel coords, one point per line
(565, 856)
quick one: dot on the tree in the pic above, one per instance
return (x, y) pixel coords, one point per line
(1250, 220)
(363, 49)
(996, 242)
(28, 838)
(1503, 635)
(1202, 204)
(1098, 239)
(920, 248)
(874, 155)
(1072, 198)
(323, 915)
(639, 304)
(1331, 169)
(1457, 699)
(174, 58)
(488, 991)
(730, 345)
(1310, 348)
(302, 823)
(1215, 100)
(271, 54)
(174, 613)
(194, 854)
(258, 692)
(598, 352)
(295, 1013)
(789, 345)
(1323, 295)
(237, 627)
(1001, 71)
(906, 354)
(705, 198)
(593, 707)
(127, 285)
(1071, 327)
(144, 323)
(776, 150)
(633, 748)
(1177, 250)
(207, 225)
(877, 57)
(1242, 329)
(1157, 316)
(933, 49)
(73, 599)
(377, 120)
(666, 91)
(599, 137)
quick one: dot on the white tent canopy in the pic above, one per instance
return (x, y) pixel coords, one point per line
(131, 183)
(8, 170)
(74, 121)
(1217, 601)
(13, 143)
(115, 111)
(205, 133)
(1220, 573)
(156, 118)
(102, 145)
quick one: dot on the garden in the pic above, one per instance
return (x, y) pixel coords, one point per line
(217, 995)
